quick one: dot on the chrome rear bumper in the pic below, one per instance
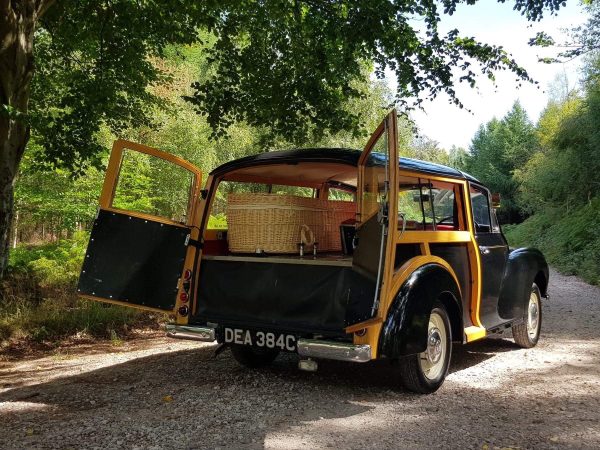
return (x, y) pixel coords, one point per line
(310, 348)
(204, 334)
(313, 348)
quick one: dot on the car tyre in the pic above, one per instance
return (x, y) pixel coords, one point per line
(527, 333)
(425, 372)
(253, 357)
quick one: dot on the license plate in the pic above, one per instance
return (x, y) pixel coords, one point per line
(260, 339)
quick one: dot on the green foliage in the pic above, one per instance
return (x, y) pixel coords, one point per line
(560, 184)
(427, 149)
(53, 263)
(217, 222)
(290, 65)
(53, 197)
(583, 39)
(569, 240)
(565, 170)
(54, 319)
(94, 64)
(287, 67)
(458, 158)
(498, 149)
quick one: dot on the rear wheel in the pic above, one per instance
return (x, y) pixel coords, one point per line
(527, 334)
(253, 357)
(425, 372)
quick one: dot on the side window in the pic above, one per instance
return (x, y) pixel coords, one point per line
(415, 204)
(445, 206)
(340, 195)
(481, 209)
(428, 205)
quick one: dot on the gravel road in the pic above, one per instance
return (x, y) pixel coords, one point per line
(157, 393)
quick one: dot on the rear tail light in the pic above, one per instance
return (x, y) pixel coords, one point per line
(184, 295)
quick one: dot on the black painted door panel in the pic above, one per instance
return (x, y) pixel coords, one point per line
(133, 260)
(493, 252)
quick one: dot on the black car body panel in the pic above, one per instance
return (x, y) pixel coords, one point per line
(405, 328)
(524, 267)
(278, 295)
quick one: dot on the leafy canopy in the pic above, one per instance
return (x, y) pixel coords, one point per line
(583, 40)
(285, 65)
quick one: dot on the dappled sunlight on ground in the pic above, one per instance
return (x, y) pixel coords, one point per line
(176, 394)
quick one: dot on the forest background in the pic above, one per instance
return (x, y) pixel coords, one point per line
(546, 172)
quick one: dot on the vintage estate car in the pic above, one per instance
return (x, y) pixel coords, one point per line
(327, 253)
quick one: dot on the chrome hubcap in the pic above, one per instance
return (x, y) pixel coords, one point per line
(533, 315)
(433, 358)
(434, 346)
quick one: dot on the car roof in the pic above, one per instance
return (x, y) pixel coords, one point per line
(336, 155)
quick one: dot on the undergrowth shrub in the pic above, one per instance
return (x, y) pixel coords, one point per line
(570, 239)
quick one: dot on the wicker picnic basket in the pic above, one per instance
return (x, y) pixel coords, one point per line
(271, 223)
(328, 234)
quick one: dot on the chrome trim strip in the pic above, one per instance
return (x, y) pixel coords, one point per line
(491, 247)
(205, 334)
(334, 350)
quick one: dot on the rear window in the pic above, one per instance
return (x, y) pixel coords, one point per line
(154, 186)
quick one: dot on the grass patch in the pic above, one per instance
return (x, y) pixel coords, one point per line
(52, 319)
(570, 240)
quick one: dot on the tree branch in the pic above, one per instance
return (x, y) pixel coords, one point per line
(43, 6)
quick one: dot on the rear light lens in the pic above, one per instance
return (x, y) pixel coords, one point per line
(187, 275)
(184, 297)
(183, 311)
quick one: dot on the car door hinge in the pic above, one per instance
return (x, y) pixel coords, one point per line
(196, 243)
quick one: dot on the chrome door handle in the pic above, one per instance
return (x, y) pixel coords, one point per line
(484, 250)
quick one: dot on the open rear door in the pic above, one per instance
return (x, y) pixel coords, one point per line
(377, 173)
(139, 244)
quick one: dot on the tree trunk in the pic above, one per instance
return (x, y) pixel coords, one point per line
(17, 26)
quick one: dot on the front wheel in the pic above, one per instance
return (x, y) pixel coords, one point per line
(253, 357)
(425, 372)
(527, 334)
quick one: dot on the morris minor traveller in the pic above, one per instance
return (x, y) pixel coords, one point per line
(325, 253)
